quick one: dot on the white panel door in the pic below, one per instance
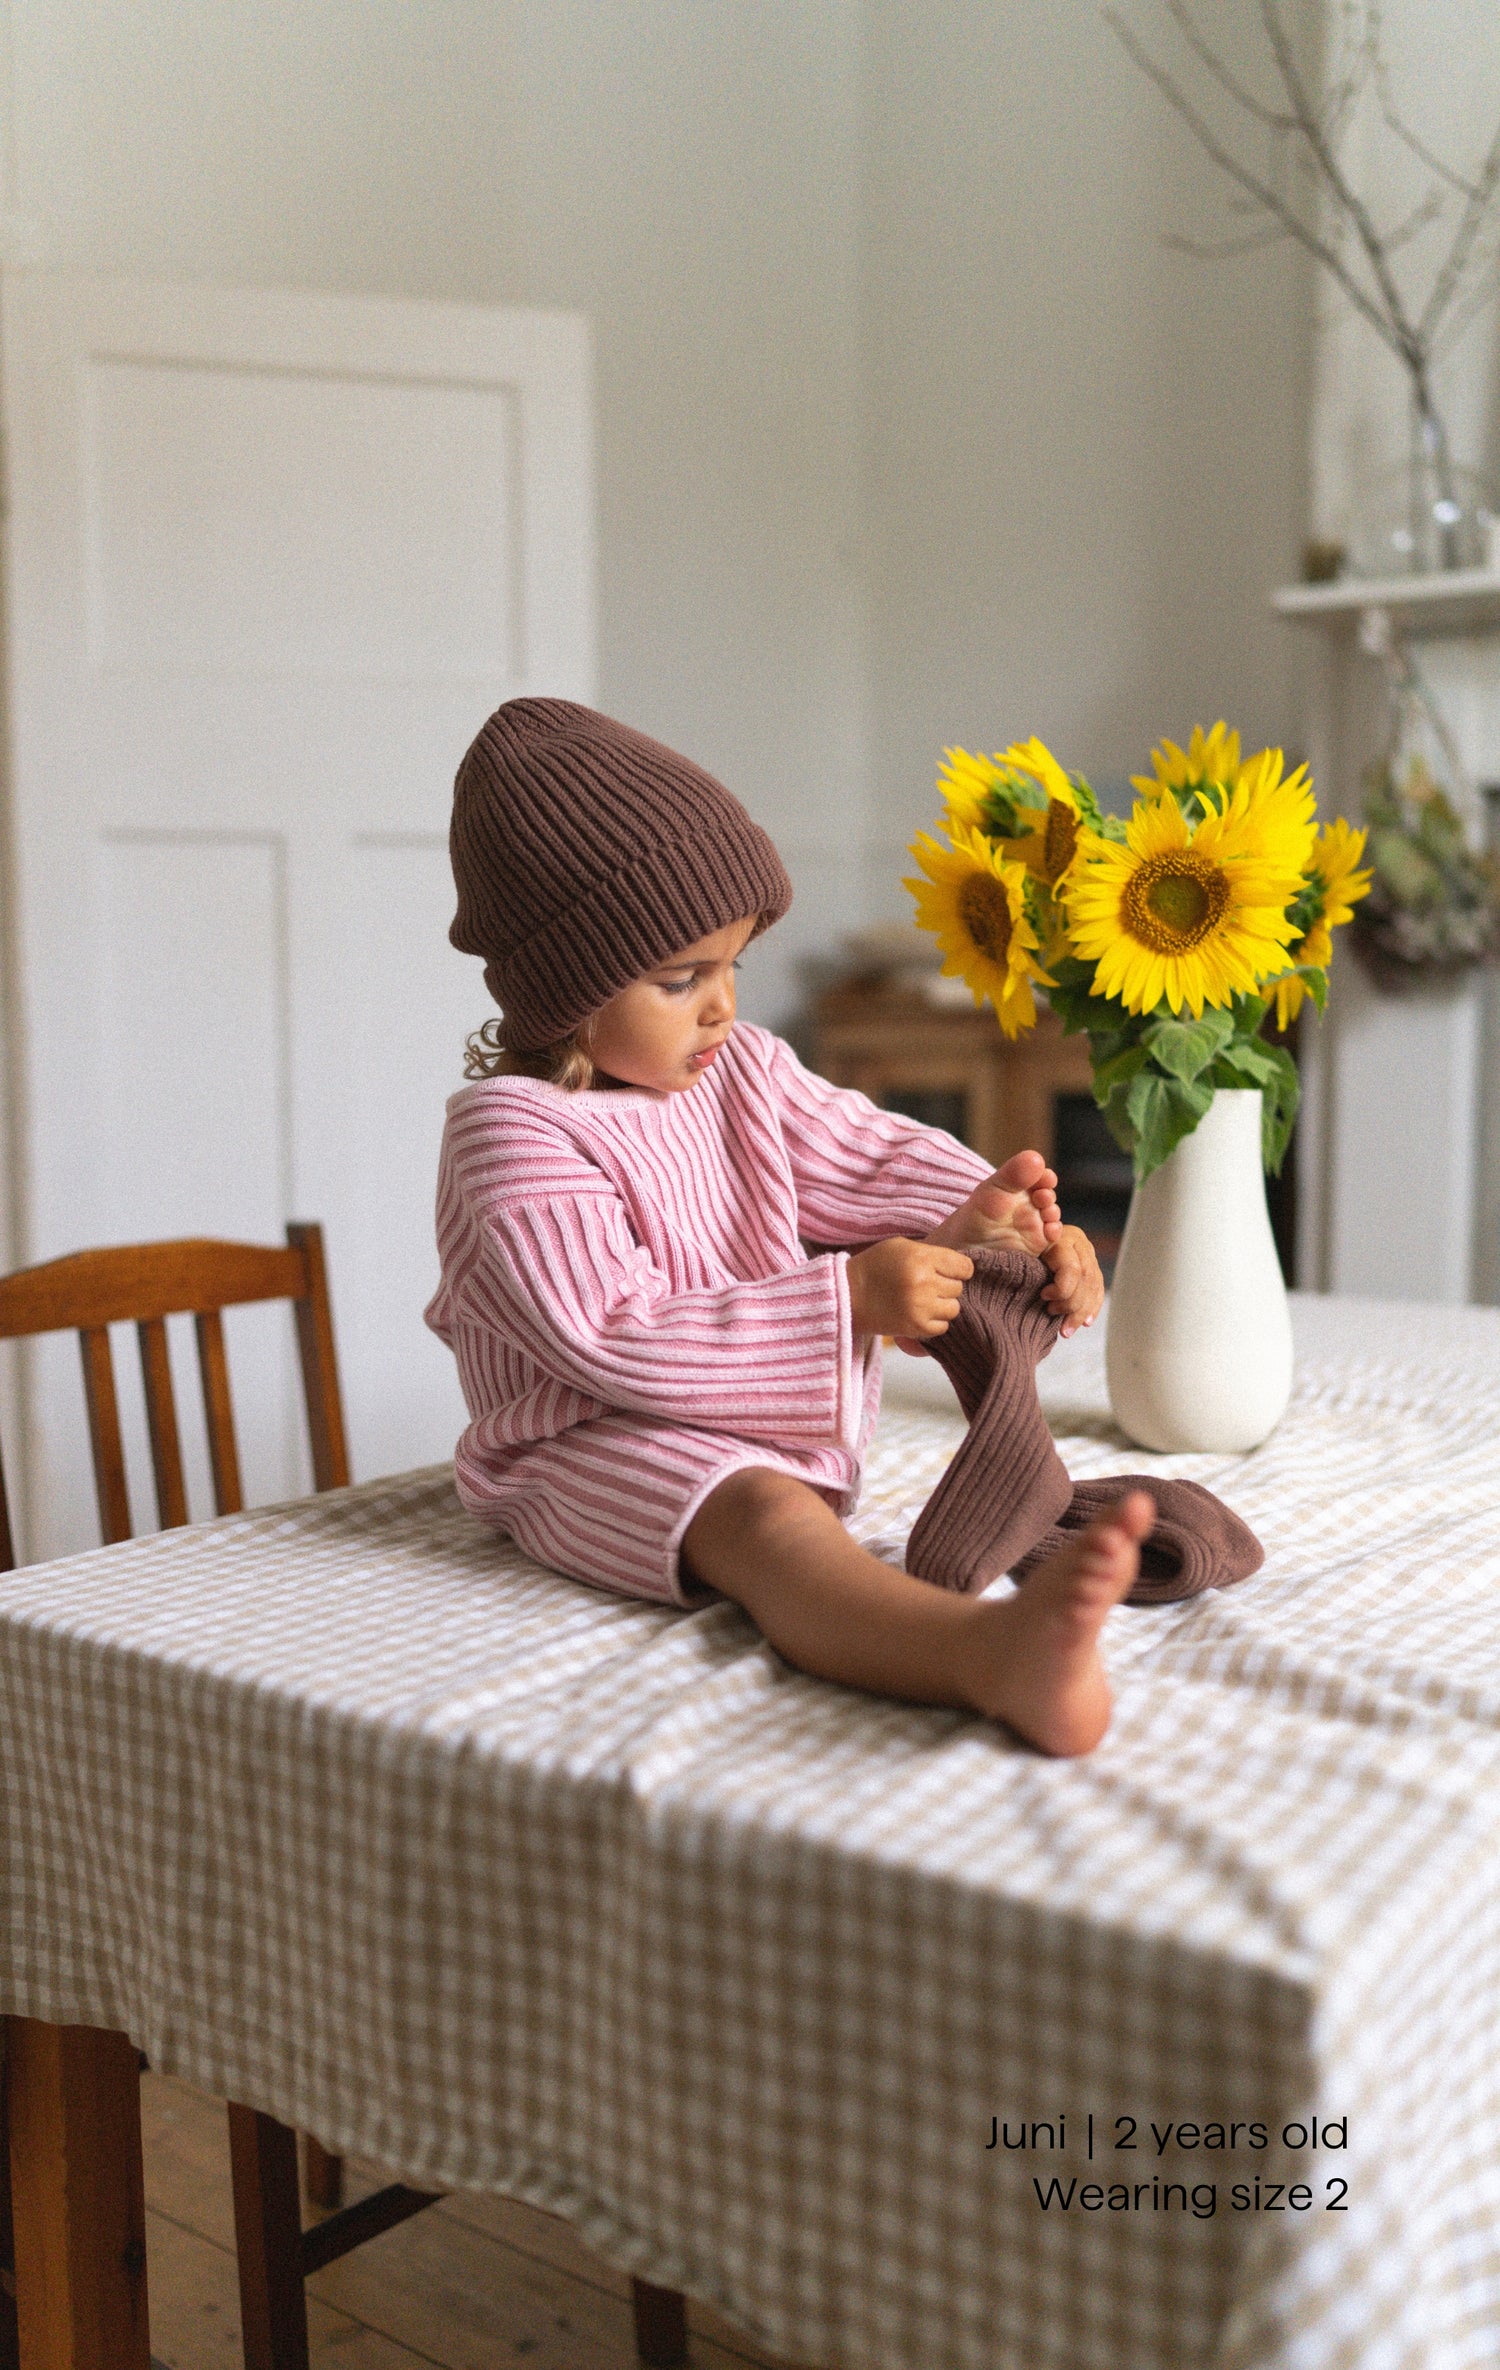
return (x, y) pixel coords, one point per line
(272, 558)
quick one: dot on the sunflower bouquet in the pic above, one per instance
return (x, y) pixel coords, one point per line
(1171, 938)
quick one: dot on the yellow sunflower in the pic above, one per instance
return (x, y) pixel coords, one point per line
(1335, 869)
(1265, 785)
(1336, 864)
(1187, 914)
(1048, 850)
(1210, 759)
(965, 783)
(973, 902)
(1288, 995)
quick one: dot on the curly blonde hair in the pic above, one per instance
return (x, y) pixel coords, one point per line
(567, 1063)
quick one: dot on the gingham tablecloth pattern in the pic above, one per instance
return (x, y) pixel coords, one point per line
(349, 1811)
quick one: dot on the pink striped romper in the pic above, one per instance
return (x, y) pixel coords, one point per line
(626, 1290)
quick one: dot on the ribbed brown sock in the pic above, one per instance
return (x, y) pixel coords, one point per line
(1006, 1503)
(1007, 1485)
(1197, 1541)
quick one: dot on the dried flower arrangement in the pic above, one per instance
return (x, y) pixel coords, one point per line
(1433, 910)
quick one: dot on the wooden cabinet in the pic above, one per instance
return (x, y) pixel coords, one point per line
(950, 1067)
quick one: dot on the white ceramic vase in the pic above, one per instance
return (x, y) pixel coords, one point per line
(1199, 1348)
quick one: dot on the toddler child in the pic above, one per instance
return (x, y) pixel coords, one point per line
(669, 1252)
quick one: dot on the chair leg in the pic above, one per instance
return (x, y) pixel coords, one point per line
(77, 2197)
(268, 2241)
(660, 2325)
(322, 2174)
(10, 2343)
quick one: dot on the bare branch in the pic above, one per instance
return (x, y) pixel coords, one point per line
(1424, 154)
(1481, 293)
(1338, 106)
(1428, 211)
(1211, 251)
(1392, 330)
(1478, 196)
(1399, 331)
(1410, 139)
(1192, 34)
(1345, 89)
(1321, 208)
(1416, 341)
(1471, 222)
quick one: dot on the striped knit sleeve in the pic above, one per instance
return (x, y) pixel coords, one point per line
(564, 1279)
(861, 1173)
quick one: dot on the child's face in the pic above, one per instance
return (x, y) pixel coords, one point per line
(663, 1031)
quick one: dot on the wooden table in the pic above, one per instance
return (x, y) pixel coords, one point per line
(733, 1968)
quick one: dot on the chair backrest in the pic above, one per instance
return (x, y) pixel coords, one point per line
(144, 1284)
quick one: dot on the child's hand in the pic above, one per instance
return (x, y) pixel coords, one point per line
(1076, 1292)
(906, 1288)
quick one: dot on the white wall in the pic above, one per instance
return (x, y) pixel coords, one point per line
(910, 429)
(1445, 84)
(1393, 1074)
(682, 170)
(1086, 450)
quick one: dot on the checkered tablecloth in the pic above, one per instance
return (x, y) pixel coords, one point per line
(349, 1811)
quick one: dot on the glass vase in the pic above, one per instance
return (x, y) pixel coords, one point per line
(1428, 515)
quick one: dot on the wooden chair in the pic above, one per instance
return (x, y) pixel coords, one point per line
(144, 1284)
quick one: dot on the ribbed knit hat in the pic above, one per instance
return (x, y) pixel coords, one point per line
(585, 854)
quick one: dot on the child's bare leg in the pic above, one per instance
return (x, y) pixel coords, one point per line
(777, 1548)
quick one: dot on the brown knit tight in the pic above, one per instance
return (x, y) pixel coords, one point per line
(1005, 1502)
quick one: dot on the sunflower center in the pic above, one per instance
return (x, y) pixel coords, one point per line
(1059, 840)
(1174, 901)
(984, 910)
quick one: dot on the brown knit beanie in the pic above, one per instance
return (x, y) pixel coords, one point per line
(585, 854)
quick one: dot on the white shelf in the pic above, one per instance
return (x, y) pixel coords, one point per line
(1458, 601)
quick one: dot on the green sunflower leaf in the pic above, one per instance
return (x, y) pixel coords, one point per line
(1316, 983)
(1107, 1034)
(1012, 805)
(1307, 906)
(1116, 1117)
(1247, 1062)
(1104, 1044)
(1162, 1111)
(1118, 1070)
(1282, 1093)
(1183, 1048)
(1088, 805)
(1071, 1001)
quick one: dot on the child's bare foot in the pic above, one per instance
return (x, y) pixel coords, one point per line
(1039, 1668)
(1013, 1210)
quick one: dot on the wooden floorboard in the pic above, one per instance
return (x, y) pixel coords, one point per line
(474, 2283)
(195, 2312)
